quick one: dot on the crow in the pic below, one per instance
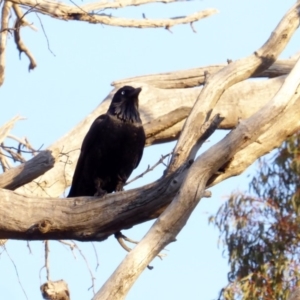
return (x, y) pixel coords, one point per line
(112, 148)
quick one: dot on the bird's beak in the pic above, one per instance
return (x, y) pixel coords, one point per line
(135, 93)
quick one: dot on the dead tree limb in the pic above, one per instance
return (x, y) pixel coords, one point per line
(87, 13)
(173, 219)
(195, 77)
(94, 219)
(28, 171)
(7, 127)
(3, 36)
(238, 102)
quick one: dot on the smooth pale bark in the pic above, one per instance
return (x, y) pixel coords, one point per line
(195, 77)
(163, 111)
(65, 11)
(173, 219)
(3, 37)
(95, 219)
(238, 102)
(7, 127)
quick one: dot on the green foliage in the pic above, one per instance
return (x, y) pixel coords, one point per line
(261, 232)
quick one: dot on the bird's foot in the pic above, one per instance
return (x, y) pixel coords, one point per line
(100, 192)
(119, 187)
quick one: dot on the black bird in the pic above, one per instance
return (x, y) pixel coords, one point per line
(112, 148)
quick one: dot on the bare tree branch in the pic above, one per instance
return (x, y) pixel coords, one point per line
(3, 36)
(195, 77)
(162, 123)
(149, 169)
(21, 16)
(92, 219)
(4, 132)
(101, 5)
(88, 218)
(85, 13)
(173, 219)
(236, 71)
(16, 270)
(28, 171)
(239, 101)
(20, 44)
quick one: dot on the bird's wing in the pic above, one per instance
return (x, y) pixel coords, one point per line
(87, 144)
(92, 134)
(141, 147)
(139, 157)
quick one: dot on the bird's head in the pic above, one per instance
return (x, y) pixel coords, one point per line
(125, 104)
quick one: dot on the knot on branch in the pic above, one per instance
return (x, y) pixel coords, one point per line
(44, 226)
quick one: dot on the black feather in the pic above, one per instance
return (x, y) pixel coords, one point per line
(112, 148)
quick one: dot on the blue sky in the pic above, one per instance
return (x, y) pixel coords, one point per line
(64, 88)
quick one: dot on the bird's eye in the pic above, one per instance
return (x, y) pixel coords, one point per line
(123, 93)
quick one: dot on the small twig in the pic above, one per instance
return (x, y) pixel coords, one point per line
(23, 142)
(96, 254)
(3, 161)
(20, 150)
(47, 259)
(120, 237)
(149, 169)
(3, 242)
(16, 272)
(70, 245)
(20, 15)
(29, 248)
(45, 34)
(80, 8)
(10, 30)
(192, 26)
(20, 45)
(15, 156)
(73, 246)
(87, 264)
(65, 164)
(6, 155)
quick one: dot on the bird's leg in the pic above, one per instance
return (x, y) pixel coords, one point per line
(120, 184)
(119, 187)
(99, 191)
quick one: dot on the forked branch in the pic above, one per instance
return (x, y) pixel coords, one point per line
(87, 13)
(173, 219)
